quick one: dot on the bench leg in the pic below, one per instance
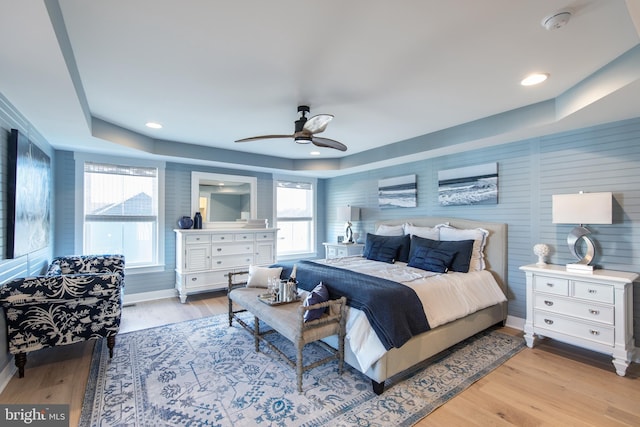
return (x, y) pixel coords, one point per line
(299, 366)
(256, 333)
(111, 343)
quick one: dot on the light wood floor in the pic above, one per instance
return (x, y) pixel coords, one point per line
(552, 384)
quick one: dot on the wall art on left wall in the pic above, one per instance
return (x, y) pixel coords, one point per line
(29, 197)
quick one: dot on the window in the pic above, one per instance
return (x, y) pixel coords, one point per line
(295, 209)
(121, 212)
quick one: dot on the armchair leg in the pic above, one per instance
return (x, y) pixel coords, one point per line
(21, 360)
(111, 343)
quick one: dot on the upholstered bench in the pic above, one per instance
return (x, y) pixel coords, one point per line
(288, 321)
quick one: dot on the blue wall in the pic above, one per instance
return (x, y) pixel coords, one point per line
(33, 263)
(602, 158)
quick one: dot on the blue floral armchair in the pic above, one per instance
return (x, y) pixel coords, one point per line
(79, 298)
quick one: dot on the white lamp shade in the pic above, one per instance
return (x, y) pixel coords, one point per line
(348, 213)
(582, 208)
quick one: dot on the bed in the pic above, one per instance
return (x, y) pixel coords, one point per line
(368, 349)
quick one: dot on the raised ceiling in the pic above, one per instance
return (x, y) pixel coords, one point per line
(418, 77)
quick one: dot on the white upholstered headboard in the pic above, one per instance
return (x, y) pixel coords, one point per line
(495, 251)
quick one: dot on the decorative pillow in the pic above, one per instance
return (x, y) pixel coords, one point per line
(432, 233)
(479, 235)
(461, 251)
(435, 260)
(387, 248)
(390, 230)
(259, 276)
(319, 294)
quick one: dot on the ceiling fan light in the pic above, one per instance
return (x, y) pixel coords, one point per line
(302, 140)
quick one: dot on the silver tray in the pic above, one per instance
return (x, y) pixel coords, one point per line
(267, 299)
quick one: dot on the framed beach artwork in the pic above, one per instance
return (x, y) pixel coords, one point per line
(29, 197)
(399, 192)
(472, 185)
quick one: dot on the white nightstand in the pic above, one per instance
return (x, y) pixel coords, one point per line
(593, 311)
(339, 250)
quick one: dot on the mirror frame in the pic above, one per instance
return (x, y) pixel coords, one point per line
(203, 177)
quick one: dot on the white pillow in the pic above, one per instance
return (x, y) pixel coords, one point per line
(432, 233)
(390, 230)
(478, 235)
(259, 276)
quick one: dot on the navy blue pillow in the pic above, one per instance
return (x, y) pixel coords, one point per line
(461, 249)
(387, 248)
(435, 260)
(319, 294)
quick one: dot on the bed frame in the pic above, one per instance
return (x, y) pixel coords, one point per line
(432, 342)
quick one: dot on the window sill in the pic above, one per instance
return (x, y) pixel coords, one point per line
(144, 269)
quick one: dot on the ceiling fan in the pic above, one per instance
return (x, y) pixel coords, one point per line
(305, 130)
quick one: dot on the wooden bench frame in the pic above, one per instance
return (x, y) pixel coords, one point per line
(299, 331)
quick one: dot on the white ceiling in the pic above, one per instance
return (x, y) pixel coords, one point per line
(215, 71)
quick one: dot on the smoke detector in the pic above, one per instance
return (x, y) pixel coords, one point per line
(556, 20)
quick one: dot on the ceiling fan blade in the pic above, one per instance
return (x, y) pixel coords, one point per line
(317, 124)
(329, 143)
(255, 138)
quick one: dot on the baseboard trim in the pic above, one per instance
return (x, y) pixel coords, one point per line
(7, 374)
(149, 296)
(515, 323)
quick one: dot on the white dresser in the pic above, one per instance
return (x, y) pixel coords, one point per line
(204, 257)
(338, 250)
(593, 311)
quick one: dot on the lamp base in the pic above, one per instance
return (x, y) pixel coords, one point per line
(580, 268)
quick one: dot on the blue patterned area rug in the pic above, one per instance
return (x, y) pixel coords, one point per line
(203, 372)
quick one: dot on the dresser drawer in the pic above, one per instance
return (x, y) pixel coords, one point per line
(219, 249)
(593, 291)
(222, 237)
(232, 261)
(197, 280)
(244, 237)
(573, 308)
(584, 330)
(267, 235)
(551, 285)
(197, 238)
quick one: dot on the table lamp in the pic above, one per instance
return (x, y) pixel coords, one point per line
(348, 214)
(582, 208)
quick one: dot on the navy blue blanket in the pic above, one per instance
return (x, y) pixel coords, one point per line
(393, 309)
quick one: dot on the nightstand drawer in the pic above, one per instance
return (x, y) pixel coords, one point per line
(583, 330)
(551, 285)
(573, 308)
(593, 291)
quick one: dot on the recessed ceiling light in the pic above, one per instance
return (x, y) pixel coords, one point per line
(153, 125)
(315, 153)
(534, 79)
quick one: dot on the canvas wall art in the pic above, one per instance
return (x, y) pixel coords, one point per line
(472, 185)
(29, 204)
(399, 192)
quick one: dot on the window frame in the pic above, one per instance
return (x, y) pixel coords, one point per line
(80, 159)
(314, 219)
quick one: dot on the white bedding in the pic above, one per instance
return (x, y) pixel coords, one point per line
(445, 297)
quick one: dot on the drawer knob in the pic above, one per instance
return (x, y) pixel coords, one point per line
(594, 312)
(244, 237)
(549, 303)
(548, 321)
(222, 238)
(594, 332)
(219, 262)
(219, 249)
(193, 279)
(593, 291)
(550, 285)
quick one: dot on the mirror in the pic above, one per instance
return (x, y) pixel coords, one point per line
(223, 200)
